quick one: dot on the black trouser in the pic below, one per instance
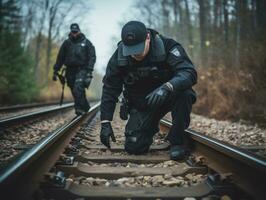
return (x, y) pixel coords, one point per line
(75, 78)
(142, 125)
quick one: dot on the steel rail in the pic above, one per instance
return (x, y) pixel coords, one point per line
(24, 117)
(14, 179)
(29, 105)
(248, 170)
(230, 150)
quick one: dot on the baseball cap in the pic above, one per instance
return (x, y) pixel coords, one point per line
(133, 36)
(74, 27)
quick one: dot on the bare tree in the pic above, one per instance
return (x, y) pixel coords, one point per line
(165, 16)
(57, 18)
(44, 21)
(261, 16)
(53, 7)
(149, 12)
(226, 28)
(179, 28)
(189, 28)
(203, 28)
(40, 14)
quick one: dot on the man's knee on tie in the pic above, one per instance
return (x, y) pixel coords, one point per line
(137, 145)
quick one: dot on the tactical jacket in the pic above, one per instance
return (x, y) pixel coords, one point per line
(76, 52)
(166, 61)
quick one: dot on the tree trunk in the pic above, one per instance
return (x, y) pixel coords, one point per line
(165, 11)
(225, 10)
(261, 17)
(52, 14)
(175, 31)
(39, 41)
(189, 29)
(243, 30)
(237, 33)
(48, 54)
(1, 16)
(37, 57)
(202, 26)
(253, 17)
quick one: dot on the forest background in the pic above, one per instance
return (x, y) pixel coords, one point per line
(224, 38)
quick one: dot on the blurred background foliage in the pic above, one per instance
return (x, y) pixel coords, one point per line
(31, 33)
(224, 38)
(226, 41)
(16, 65)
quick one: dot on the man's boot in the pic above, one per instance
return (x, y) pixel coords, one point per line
(80, 111)
(177, 152)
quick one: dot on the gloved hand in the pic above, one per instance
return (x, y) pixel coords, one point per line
(106, 133)
(87, 80)
(55, 76)
(159, 96)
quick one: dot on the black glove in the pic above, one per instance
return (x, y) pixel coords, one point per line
(87, 80)
(55, 76)
(106, 133)
(159, 96)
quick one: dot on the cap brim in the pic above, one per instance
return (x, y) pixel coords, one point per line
(133, 49)
(74, 30)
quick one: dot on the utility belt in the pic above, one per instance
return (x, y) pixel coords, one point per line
(131, 77)
(127, 104)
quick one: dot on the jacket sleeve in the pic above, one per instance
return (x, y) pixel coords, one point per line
(112, 88)
(60, 57)
(185, 74)
(91, 56)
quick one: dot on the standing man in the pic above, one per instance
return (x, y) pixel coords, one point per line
(156, 77)
(78, 55)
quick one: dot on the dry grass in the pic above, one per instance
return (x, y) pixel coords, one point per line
(53, 93)
(224, 93)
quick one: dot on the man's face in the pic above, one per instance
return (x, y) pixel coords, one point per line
(75, 33)
(140, 57)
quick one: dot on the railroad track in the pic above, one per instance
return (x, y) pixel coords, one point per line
(14, 110)
(77, 166)
(18, 119)
(26, 106)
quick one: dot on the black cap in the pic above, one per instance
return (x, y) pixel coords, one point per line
(74, 28)
(134, 34)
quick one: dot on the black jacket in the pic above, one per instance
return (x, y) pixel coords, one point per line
(166, 56)
(76, 52)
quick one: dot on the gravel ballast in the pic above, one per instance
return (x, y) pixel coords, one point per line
(15, 139)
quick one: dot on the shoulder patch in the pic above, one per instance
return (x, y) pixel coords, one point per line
(175, 56)
(175, 52)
